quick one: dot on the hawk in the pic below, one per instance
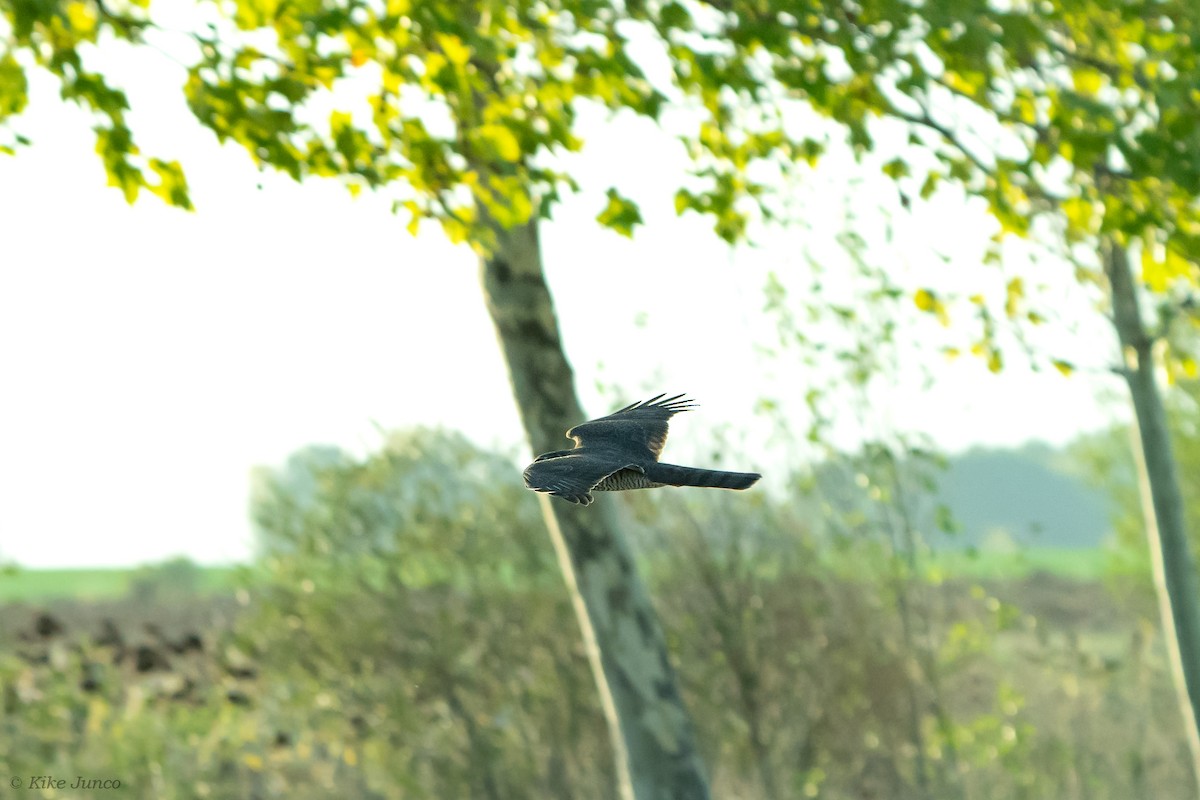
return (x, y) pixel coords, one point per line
(621, 452)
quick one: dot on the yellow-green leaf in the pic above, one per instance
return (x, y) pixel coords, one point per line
(497, 142)
(507, 200)
(925, 300)
(414, 221)
(1153, 274)
(1013, 294)
(456, 52)
(325, 75)
(995, 362)
(172, 185)
(968, 83)
(620, 214)
(14, 90)
(1024, 109)
(930, 185)
(1158, 275)
(1079, 213)
(82, 17)
(683, 200)
(896, 168)
(1087, 81)
(928, 302)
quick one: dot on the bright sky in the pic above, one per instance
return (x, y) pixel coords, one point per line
(152, 357)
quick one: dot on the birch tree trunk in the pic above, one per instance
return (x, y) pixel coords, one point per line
(653, 739)
(1174, 566)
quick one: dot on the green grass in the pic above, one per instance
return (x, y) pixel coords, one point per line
(32, 585)
(39, 584)
(1065, 562)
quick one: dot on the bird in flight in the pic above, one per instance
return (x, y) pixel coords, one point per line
(620, 452)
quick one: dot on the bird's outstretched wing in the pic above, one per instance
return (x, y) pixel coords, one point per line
(641, 424)
(571, 477)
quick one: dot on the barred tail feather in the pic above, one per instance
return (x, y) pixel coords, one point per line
(674, 475)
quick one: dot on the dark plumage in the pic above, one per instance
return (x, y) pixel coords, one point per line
(620, 452)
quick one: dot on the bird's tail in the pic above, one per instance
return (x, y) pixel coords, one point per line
(674, 475)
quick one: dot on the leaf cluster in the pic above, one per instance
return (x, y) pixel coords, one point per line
(465, 104)
(57, 36)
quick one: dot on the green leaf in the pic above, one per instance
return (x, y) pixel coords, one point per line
(82, 18)
(969, 82)
(896, 168)
(684, 200)
(415, 214)
(172, 185)
(927, 301)
(930, 185)
(621, 214)
(114, 146)
(496, 143)
(995, 362)
(456, 52)
(507, 200)
(1014, 292)
(1159, 275)
(1080, 214)
(1087, 81)
(14, 89)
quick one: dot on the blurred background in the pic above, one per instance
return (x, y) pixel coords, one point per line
(263, 526)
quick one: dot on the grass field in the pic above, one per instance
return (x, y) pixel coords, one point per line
(1063, 562)
(31, 585)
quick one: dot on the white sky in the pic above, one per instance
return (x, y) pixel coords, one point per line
(152, 357)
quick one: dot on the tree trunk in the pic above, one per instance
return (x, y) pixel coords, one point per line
(1162, 502)
(653, 740)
